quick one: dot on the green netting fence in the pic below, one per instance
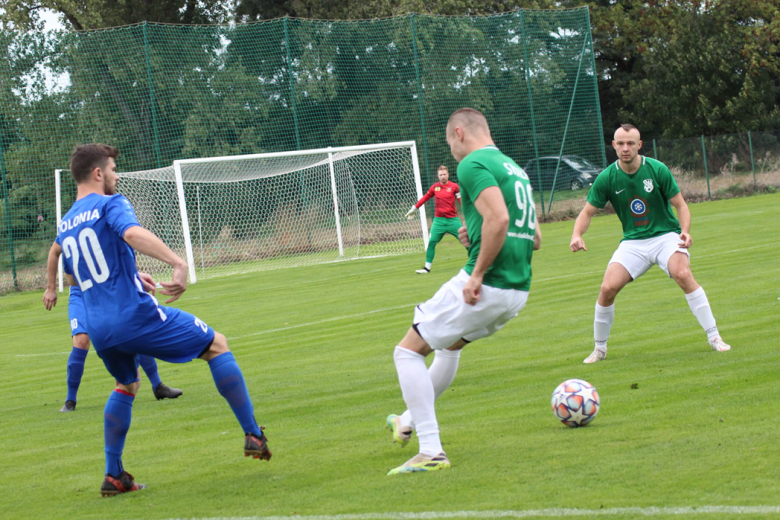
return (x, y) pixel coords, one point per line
(164, 92)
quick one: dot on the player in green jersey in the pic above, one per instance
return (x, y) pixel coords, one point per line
(501, 234)
(642, 191)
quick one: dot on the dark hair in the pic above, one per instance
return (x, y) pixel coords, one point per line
(442, 167)
(628, 127)
(87, 157)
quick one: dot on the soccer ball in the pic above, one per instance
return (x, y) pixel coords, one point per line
(575, 402)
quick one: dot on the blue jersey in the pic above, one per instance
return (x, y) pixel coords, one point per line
(103, 264)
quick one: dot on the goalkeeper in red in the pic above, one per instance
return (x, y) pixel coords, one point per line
(445, 219)
(642, 191)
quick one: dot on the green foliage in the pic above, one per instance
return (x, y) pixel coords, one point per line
(165, 92)
(249, 10)
(679, 69)
(698, 431)
(97, 14)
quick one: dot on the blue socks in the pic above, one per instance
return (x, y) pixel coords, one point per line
(230, 384)
(117, 417)
(75, 371)
(150, 367)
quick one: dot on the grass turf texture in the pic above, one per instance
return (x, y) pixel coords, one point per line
(700, 429)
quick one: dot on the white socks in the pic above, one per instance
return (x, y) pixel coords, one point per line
(417, 389)
(442, 372)
(601, 325)
(700, 307)
(428, 267)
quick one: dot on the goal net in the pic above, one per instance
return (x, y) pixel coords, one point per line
(230, 215)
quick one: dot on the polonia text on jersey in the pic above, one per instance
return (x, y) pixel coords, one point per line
(79, 219)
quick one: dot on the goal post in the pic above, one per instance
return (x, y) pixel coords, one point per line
(58, 205)
(244, 213)
(418, 187)
(185, 221)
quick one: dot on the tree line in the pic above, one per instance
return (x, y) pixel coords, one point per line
(673, 68)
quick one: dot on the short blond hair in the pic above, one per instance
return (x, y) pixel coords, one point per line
(442, 167)
(470, 118)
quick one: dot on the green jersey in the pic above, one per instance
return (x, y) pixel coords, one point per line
(489, 167)
(641, 200)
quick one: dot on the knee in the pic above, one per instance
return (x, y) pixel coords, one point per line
(81, 341)
(684, 278)
(608, 291)
(132, 388)
(218, 346)
(682, 274)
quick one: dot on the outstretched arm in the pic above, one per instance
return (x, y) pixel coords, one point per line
(495, 223)
(684, 216)
(52, 263)
(581, 226)
(425, 198)
(146, 242)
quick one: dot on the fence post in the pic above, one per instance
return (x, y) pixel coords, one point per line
(752, 163)
(568, 119)
(596, 87)
(655, 151)
(420, 96)
(706, 170)
(292, 84)
(531, 104)
(7, 213)
(151, 97)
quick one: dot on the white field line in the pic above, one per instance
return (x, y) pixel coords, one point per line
(528, 513)
(91, 351)
(337, 318)
(768, 244)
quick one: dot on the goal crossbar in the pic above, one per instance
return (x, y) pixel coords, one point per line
(271, 155)
(188, 179)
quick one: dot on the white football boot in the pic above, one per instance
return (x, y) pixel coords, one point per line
(719, 345)
(597, 355)
(424, 270)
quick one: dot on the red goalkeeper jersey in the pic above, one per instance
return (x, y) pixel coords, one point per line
(445, 199)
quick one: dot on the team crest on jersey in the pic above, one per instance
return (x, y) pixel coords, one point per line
(648, 185)
(449, 189)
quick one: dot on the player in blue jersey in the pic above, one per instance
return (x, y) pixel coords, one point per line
(78, 356)
(98, 236)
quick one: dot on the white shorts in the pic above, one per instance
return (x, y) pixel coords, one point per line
(446, 318)
(637, 256)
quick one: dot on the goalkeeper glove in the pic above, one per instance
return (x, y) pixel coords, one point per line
(410, 213)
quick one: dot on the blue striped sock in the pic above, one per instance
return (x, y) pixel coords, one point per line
(231, 385)
(116, 423)
(75, 371)
(150, 367)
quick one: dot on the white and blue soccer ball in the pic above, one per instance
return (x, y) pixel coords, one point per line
(575, 402)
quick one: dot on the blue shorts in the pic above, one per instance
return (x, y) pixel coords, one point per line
(76, 313)
(181, 339)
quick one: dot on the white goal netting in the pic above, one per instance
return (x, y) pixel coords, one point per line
(269, 211)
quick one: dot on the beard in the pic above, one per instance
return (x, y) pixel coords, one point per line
(109, 190)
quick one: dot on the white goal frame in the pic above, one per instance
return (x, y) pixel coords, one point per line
(177, 168)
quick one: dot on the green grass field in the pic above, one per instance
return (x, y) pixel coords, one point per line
(315, 345)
